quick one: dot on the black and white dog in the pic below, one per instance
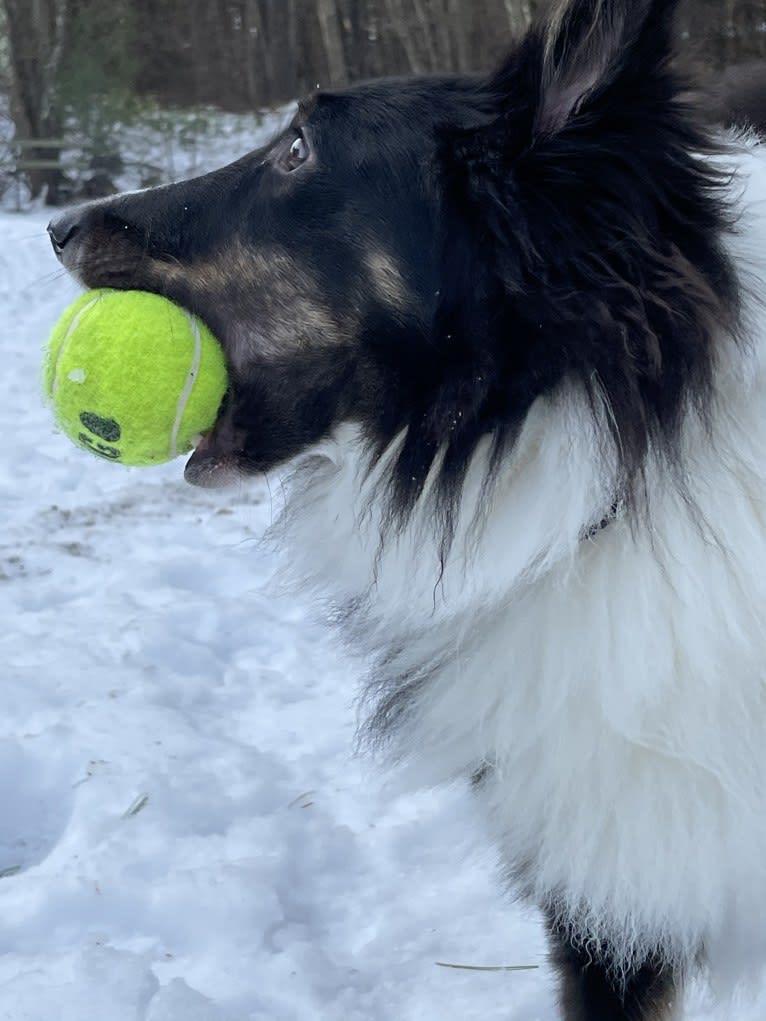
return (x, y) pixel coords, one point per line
(507, 334)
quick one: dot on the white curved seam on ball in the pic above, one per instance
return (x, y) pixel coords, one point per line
(62, 346)
(185, 394)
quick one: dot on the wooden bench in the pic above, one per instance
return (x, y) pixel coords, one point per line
(15, 161)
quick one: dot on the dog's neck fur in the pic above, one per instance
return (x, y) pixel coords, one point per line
(588, 674)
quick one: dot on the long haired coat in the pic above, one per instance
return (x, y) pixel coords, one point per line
(507, 332)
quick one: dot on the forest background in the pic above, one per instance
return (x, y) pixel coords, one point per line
(75, 73)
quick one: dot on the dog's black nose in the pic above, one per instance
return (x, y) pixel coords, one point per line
(63, 229)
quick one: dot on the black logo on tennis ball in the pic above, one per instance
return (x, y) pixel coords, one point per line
(105, 428)
(102, 429)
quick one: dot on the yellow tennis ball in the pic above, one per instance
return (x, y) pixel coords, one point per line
(133, 378)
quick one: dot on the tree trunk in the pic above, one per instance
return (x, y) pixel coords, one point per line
(36, 31)
(329, 26)
(404, 34)
(457, 17)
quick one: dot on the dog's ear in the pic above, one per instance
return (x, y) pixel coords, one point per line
(585, 105)
(585, 47)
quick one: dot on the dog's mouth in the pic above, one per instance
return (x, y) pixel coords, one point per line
(211, 468)
(216, 461)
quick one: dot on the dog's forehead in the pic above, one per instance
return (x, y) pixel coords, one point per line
(413, 103)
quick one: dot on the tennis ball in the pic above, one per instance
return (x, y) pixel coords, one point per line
(133, 378)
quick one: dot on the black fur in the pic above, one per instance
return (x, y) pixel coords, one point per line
(592, 988)
(442, 252)
(737, 97)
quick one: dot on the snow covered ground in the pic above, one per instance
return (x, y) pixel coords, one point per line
(185, 833)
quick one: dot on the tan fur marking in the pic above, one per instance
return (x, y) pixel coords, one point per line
(280, 302)
(388, 281)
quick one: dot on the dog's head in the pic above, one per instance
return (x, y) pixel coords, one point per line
(426, 257)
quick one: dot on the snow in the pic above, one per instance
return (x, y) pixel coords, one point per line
(186, 833)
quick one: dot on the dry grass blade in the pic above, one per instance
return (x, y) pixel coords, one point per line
(136, 807)
(488, 967)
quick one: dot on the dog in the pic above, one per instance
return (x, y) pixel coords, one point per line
(737, 96)
(506, 334)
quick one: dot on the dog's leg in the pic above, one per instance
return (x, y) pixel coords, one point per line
(591, 990)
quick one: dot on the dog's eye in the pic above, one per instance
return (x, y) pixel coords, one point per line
(297, 154)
